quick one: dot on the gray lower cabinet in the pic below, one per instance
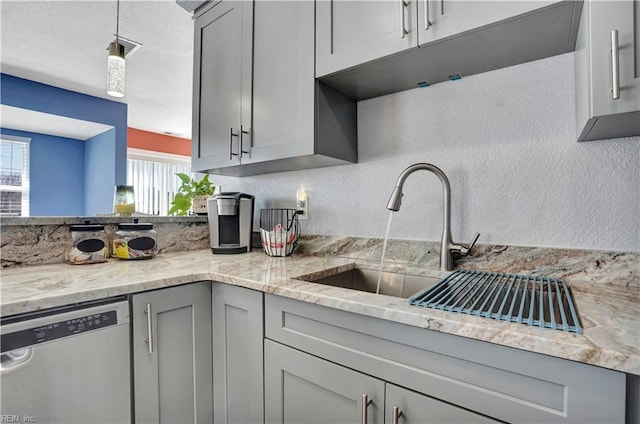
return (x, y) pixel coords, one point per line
(301, 388)
(469, 376)
(237, 354)
(607, 62)
(408, 407)
(172, 358)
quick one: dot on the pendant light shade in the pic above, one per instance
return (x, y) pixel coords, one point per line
(115, 63)
(115, 70)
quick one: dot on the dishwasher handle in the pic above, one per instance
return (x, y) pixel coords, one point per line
(14, 359)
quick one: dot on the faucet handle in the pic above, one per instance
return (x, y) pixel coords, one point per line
(464, 250)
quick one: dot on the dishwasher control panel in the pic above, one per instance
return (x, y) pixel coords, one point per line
(56, 330)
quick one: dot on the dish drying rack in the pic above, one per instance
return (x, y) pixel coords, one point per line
(531, 300)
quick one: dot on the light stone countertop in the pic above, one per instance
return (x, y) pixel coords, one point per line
(609, 312)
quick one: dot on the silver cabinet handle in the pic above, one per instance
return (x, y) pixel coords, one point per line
(231, 135)
(615, 65)
(396, 414)
(242, 132)
(149, 340)
(331, 27)
(427, 21)
(365, 405)
(403, 29)
(442, 7)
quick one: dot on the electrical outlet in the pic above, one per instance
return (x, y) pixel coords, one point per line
(302, 204)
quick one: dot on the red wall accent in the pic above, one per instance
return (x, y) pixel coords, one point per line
(147, 140)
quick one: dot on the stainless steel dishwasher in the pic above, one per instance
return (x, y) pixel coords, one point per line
(67, 365)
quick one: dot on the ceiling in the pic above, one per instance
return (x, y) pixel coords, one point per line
(63, 43)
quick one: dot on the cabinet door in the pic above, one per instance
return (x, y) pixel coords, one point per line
(237, 355)
(283, 82)
(221, 84)
(300, 388)
(172, 355)
(350, 33)
(604, 18)
(599, 114)
(438, 19)
(420, 409)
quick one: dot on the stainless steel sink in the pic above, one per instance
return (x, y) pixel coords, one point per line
(366, 280)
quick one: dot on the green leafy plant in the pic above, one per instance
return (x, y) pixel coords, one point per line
(189, 189)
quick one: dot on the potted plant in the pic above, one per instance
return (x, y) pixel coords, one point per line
(191, 193)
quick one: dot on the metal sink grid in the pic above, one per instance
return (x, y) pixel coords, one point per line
(531, 300)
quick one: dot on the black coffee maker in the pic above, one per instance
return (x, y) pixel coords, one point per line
(230, 222)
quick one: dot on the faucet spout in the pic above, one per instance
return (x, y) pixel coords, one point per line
(447, 244)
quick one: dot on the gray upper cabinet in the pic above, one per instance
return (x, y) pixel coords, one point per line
(470, 37)
(438, 19)
(172, 355)
(283, 83)
(257, 105)
(353, 32)
(221, 85)
(608, 70)
(237, 355)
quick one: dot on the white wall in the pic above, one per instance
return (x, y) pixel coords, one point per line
(506, 140)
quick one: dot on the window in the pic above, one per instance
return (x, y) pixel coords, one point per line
(14, 175)
(153, 177)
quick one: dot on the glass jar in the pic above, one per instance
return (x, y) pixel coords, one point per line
(88, 244)
(124, 200)
(135, 240)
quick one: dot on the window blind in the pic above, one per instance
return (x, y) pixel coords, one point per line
(154, 184)
(14, 175)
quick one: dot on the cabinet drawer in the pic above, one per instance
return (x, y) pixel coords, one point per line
(497, 381)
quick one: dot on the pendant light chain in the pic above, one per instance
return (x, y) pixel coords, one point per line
(118, 20)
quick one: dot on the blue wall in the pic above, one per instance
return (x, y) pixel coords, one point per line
(56, 174)
(99, 178)
(26, 94)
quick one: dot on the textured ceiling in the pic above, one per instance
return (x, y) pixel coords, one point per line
(63, 43)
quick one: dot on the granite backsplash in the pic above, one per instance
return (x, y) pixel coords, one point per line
(40, 241)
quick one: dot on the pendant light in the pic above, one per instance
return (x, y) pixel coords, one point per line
(115, 63)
